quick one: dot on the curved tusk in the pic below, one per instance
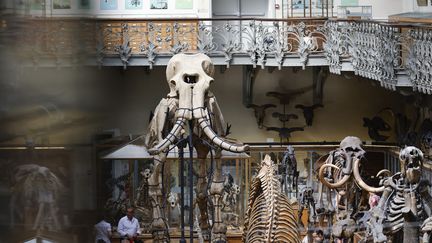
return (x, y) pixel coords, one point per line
(340, 183)
(384, 172)
(360, 181)
(170, 138)
(214, 138)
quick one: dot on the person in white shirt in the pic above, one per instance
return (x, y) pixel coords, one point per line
(128, 227)
(102, 231)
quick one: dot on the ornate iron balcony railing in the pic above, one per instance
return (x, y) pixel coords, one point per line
(382, 51)
(257, 39)
(386, 52)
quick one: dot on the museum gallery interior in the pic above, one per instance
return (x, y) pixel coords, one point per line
(215, 121)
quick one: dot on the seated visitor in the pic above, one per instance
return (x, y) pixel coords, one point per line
(128, 227)
(102, 231)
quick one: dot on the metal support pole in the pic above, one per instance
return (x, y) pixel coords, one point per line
(310, 172)
(310, 8)
(182, 194)
(190, 182)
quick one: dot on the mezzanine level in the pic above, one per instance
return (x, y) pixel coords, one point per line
(394, 54)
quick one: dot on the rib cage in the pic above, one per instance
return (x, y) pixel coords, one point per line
(270, 216)
(338, 161)
(394, 217)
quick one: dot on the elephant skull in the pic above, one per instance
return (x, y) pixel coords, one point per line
(189, 78)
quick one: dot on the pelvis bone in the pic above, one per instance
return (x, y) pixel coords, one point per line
(189, 77)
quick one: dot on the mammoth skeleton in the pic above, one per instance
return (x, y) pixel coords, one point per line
(336, 174)
(189, 106)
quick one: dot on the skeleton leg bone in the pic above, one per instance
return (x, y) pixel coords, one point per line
(159, 227)
(219, 228)
(201, 198)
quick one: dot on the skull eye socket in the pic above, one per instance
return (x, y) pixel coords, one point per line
(190, 79)
(350, 149)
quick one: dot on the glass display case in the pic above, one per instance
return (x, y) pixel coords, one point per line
(129, 168)
(130, 164)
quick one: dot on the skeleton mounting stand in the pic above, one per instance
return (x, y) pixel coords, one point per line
(181, 145)
(190, 172)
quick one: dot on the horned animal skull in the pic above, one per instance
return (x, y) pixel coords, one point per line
(189, 77)
(412, 158)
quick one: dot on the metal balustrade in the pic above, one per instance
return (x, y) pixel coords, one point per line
(391, 53)
(382, 51)
(227, 38)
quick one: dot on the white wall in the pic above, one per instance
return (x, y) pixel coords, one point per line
(381, 9)
(422, 8)
(201, 9)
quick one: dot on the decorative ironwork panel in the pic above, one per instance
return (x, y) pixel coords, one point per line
(258, 39)
(381, 51)
(419, 63)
